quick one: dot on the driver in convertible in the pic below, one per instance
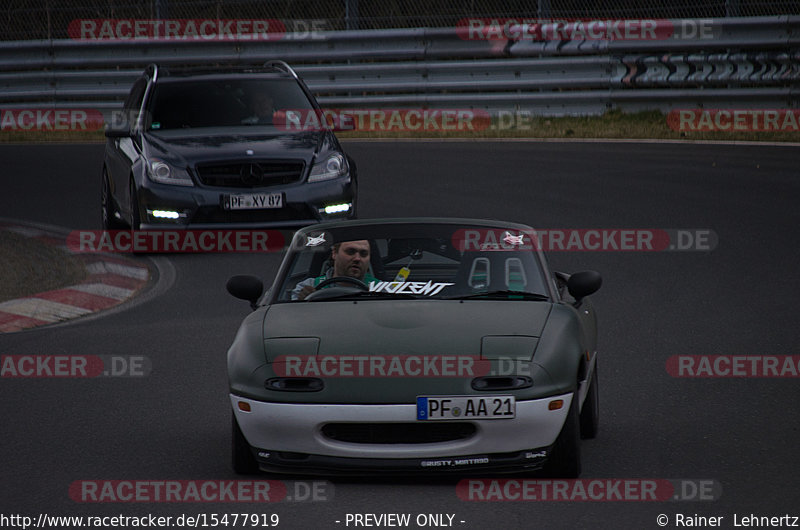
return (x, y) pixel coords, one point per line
(349, 258)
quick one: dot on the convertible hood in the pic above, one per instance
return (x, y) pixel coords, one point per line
(298, 336)
(398, 327)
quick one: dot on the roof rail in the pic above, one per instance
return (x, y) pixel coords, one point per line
(281, 65)
(152, 71)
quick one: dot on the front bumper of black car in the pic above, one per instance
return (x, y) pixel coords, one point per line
(164, 206)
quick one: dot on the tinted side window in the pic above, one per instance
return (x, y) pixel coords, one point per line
(133, 103)
(134, 100)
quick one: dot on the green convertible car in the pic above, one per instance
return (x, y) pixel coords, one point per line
(414, 346)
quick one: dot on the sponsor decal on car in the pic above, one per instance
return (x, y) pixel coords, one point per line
(538, 454)
(315, 241)
(514, 241)
(455, 462)
(428, 288)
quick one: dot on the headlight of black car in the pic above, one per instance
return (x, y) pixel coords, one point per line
(164, 173)
(329, 167)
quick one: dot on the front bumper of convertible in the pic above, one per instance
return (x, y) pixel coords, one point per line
(289, 437)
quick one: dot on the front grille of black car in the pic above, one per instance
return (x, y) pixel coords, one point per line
(251, 174)
(215, 214)
(397, 433)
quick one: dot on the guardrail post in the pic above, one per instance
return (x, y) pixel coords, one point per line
(351, 14)
(543, 9)
(162, 9)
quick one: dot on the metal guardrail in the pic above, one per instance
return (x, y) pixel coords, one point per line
(745, 63)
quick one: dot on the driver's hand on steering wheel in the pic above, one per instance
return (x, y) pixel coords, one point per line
(305, 291)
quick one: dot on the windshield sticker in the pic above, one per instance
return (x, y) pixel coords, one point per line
(480, 239)
(423, 288)
(511, 239)
(315, 241)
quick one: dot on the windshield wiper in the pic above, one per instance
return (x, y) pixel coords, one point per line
(381, 294)
(364, 294)
(503, 294)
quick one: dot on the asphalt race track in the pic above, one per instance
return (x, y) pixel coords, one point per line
(733, 439)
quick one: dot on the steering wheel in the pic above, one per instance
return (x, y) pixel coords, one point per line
(343, 279)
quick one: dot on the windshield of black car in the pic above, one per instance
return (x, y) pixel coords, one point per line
(429, 263)
(232, 102)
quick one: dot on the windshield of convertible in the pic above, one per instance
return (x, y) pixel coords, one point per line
(412, 261)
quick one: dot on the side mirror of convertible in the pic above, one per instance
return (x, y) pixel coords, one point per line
(582, 284)
(247, 288)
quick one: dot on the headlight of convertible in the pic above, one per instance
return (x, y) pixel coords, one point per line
(328, 168)
(164, 173)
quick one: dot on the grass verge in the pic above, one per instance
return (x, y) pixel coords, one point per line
(30, 266)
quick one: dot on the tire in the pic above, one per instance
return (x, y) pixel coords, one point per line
(565, 455)
(590, 414)
(136, 215)
(243, 461)
(107, 208)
